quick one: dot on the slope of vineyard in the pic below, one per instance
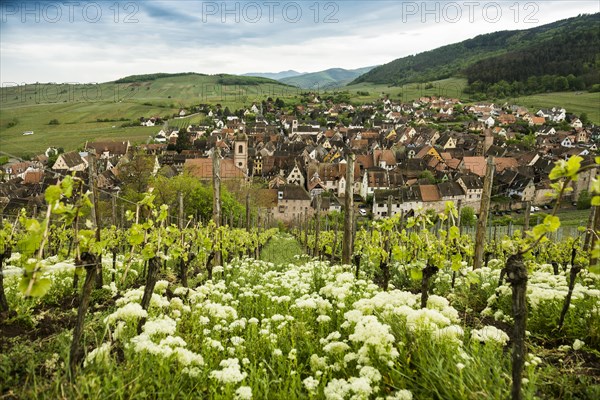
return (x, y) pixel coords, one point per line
(304, 329)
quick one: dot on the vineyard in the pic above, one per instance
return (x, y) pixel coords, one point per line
(410, 308)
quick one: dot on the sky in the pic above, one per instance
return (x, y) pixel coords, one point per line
(76, 41)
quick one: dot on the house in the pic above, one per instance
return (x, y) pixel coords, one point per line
(476, 165)
(522, 187)
(404, 200)
(451, 191)
(295, 177)
(567, 142)
(375, 178)
(472, 186)
(446, 141)
(202, 168)
(70, 162)
(108, 149)
(293, 202)
(385, 159)
(576, 124)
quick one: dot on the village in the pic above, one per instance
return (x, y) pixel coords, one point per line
(409, 156)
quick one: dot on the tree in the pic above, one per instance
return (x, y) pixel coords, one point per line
(135, 175)
(427, 175)
(183, 140)
(467, 216)
(561, 84)
(584, 201)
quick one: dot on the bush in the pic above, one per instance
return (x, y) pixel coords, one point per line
(54, 122)
(584, 201)
(467, 216)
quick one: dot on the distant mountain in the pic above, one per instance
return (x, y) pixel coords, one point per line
(275, 75)
(328, 79)
(564, 49)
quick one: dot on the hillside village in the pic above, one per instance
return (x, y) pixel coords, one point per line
(418, 154)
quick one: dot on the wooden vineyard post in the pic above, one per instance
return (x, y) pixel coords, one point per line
(527, 216)
(317, 225)
(349, 211)
(95, 212)
(389, 205)
(180, 198)
(113, 201)
(483, 213)
(90, 262)
(216, 164)
(458, 221)
(335, 240)
(516, 275)
(590, 226)
(595, 228)
(248, 211)
(306, 230)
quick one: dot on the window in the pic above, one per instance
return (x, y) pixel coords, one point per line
(240, 149)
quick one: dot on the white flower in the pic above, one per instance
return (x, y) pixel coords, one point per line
(292, 355)
(361, 386)
(187, 357)
(277, 353)
(578, 344)
(337, 389)
(173, 341)
(311, 384)
(230, 373)
(323, 318)
(193, 372)
(128, 312)
(161, 286)
(401, 395)
(99, 355)
(460, 366)
(490, 334)
(160, 326)
(372, 374)
(243, 393)
(336, 347)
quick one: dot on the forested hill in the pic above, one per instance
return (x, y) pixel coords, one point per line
(559, 49)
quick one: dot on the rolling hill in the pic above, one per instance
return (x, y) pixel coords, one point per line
(327, 79)
(275, 75)
(110, 110)
(561, 48)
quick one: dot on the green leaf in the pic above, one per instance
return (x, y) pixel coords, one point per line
(52, 194)
(473, 278)
(552, 222)
(454, 233)
(416, 274)
(596, 201)
(456, 262)
(39, 287)
(67, 186)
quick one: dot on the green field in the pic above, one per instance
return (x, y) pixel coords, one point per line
(573, 102)
(452, 87)
(78, 108)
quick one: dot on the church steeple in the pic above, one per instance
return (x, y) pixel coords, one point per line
(240, 154)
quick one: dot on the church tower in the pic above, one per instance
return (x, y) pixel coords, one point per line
(240, 154)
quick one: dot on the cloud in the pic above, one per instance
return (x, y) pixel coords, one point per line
(101, 42)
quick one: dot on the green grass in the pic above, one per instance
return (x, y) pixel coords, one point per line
(281, 249)
(452, 87)
(78, 107)
(573, 102)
